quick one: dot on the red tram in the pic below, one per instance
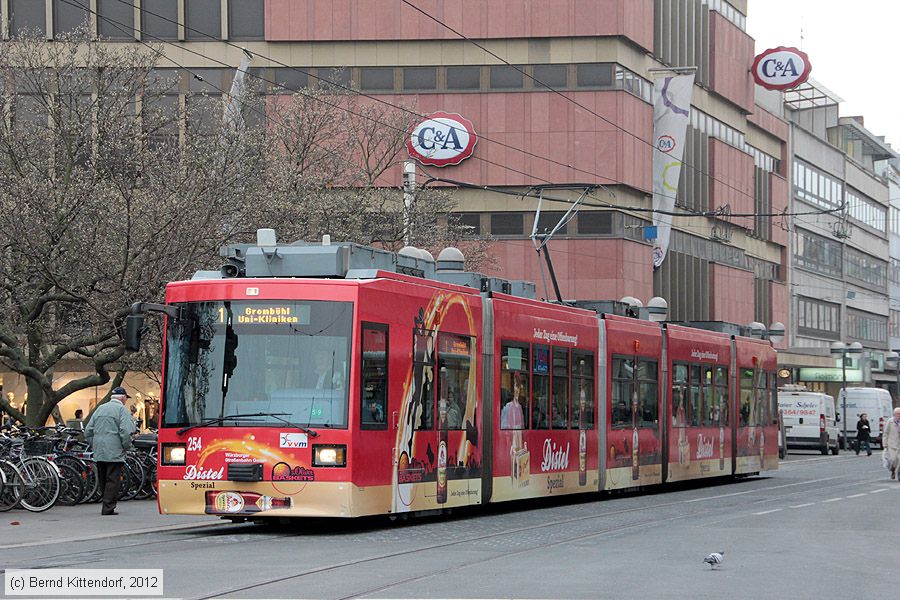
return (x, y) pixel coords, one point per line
(340, 380)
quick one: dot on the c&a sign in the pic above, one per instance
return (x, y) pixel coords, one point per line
(442, 139)
(781, 68)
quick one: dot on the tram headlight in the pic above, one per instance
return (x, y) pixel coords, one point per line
(173, 454)
(329, 456)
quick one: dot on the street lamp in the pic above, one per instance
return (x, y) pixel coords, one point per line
(842, 350)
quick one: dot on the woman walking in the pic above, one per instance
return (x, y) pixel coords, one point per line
(862, 434)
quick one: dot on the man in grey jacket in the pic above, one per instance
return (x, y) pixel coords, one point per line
(109, 434)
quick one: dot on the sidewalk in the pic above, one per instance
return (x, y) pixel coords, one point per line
(70, 523)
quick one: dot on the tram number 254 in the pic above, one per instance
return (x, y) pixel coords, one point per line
(194, 444)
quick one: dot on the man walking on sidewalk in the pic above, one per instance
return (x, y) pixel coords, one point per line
(109, 434)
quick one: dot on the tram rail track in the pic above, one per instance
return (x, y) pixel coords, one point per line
(615, 529)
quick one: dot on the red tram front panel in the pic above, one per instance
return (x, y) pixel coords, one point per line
(544, 408)
(699, 412)
(344, 360)
(757, 406)
(633, 435)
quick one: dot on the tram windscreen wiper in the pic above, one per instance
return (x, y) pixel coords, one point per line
(277, 416)
(214, 420)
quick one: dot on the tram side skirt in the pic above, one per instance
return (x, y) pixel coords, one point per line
(487, 399)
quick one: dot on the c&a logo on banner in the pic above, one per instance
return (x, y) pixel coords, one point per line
(442, 139)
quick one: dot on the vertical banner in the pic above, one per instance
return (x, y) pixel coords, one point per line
(671, 115)
(236, 97)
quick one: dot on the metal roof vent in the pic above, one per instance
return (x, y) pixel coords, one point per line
(426, 255)
(410, 251)
(451, 259)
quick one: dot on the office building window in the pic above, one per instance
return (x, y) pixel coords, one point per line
(420, 78)
(159, 19)
(817, 188)
(866, 211)
(864, 268)
(817, 318)
(548, 220)
(866, 326)
(594, 75)
(472, 221)
(463, 78)
(375, 79)
(288, 81)
(506, 77)
(506, 223)
(115, 19)
(554, 76)
(203, 19)
(69, 15)
(27, 16)
(595, 223)
(246, 20)
(817, 253)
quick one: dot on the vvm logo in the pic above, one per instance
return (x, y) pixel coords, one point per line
(781, 68)
(442, 139)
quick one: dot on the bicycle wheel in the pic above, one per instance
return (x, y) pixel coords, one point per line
(41, 483)
(71, 485)
(148, 490)
(135, 477)
(88, 477)
(92, 484)
(13, 486)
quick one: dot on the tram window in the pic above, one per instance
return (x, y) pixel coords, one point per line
(456, 367)
(540, 388)
(622, 391)
(722, 395)
(680, 405)
(560, 389)
(373, 389)
(648, 391)
(582, 390)
(514, 386)
(746, 394)
(710, 411)
(761, 397)
(423, 379)
(773, 398)
(695, 395)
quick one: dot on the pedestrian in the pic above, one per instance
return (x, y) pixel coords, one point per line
(862, 434)
(109, 434)
(890, 441)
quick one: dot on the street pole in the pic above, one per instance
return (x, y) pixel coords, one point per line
(844, 398)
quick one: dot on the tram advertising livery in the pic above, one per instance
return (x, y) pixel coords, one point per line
(341, 380)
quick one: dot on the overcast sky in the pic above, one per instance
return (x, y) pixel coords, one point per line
(854, 48)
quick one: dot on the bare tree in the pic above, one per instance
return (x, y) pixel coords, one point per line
(104, 197)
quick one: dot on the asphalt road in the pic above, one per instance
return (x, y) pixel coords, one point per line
(820, 527)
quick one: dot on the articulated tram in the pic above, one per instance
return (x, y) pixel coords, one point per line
(340, 380)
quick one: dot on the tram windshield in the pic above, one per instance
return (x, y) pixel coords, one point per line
(285, 358)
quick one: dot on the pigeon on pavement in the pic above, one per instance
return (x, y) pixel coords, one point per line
(715, 559)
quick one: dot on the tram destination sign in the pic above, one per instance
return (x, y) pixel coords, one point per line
(266, 313)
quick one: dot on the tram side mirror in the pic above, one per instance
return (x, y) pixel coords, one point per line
(134, 326)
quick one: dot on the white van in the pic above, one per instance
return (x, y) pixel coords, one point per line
(875, 402)
(809, 419)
